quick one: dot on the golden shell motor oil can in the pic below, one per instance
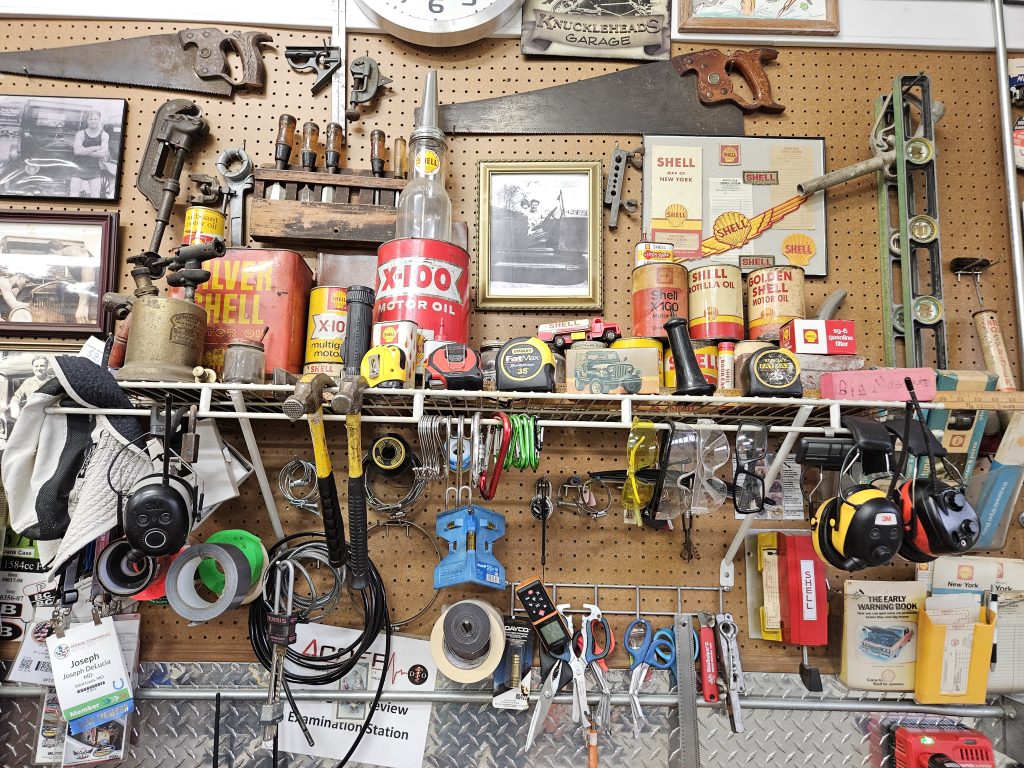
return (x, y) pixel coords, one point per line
(775, 295)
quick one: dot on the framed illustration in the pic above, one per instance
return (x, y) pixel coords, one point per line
(61, 147)
(54, 270)
(783, 17)
(733, 200)
(24, 368)
(540, 235)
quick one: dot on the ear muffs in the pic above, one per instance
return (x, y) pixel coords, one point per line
(937, 519)
(861, 530)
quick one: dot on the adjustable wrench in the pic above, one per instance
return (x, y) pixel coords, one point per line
(708, 657)
(730, 667)
(237, 169)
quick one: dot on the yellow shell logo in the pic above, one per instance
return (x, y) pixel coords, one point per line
(811, 336)
(732, 228)
(799, 249)
(427, 162)
(389, 334)
(676, 214)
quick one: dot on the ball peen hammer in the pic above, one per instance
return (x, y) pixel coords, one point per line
(308, 400)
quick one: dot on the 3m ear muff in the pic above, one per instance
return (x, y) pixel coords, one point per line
(937, 519)
(860, 529)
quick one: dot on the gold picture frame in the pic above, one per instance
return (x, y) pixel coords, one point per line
(539, 235)
(690, 19)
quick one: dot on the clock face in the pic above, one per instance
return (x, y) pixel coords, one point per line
(440, 22)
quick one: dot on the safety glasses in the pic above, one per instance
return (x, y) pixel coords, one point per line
(710, 492)
(641, 453)
(680, 467)
(748, 484)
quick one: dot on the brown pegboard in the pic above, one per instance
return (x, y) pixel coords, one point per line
(828, 92)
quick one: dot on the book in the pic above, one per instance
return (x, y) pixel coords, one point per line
(880, 634)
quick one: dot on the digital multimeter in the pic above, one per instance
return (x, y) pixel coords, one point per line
(543, 615)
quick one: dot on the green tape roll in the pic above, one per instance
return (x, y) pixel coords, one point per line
(212, 576)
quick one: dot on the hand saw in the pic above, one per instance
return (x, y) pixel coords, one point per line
(192, 60)
(646, 99)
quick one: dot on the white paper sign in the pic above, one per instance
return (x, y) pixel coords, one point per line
(397, 735)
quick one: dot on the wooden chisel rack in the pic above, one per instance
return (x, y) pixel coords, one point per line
(363, 210)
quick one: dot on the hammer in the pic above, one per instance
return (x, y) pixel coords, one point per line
(349, 401)
(308, 400)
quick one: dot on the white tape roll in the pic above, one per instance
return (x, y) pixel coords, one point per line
(456, 669)
(181, 581)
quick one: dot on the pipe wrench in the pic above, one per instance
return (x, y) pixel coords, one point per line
(730, 668)
(708, 657)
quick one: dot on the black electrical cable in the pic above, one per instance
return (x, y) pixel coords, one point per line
(329, 668)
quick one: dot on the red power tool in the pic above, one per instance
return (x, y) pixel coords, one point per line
(938, 747)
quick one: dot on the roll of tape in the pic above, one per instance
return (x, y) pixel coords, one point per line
(157, 589)
(118, 575)
(181, 581)
(254, 551)
(445, 653)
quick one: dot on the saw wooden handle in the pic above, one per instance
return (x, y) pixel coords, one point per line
(212, 46)
(714, 82)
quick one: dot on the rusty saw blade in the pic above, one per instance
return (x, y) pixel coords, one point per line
(646, 99)
(192, 60)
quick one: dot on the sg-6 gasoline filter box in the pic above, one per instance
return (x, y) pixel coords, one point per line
(880, 634)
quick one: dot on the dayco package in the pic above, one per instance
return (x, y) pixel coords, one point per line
(880, 634)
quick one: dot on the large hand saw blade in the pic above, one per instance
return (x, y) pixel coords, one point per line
(650, 98)
(154, 61)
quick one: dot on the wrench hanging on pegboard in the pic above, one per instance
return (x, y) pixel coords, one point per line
(908, 216)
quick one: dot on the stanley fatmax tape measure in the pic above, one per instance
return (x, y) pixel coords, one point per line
(525, 364)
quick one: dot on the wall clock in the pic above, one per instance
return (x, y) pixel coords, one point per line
(440, 23)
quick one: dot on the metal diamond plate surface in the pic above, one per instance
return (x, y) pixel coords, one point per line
(179, 734)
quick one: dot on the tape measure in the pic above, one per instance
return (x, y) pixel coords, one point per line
(385, 366)
(525, 364)
(453, 366)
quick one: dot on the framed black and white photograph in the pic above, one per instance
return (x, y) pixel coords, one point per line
(540, 235)
(54, 270)
(61, 147)
(24, 367)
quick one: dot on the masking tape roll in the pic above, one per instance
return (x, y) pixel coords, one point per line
(181, 581)
(472, 671)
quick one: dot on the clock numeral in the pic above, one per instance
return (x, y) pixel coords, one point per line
(470, 3)
(435, 6)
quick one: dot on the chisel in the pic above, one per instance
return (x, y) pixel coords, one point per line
(377, 140)
(282, 153)
(310, 137)
(399, 162)
(332, 159)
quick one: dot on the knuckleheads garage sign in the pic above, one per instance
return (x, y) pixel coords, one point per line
(427, 282)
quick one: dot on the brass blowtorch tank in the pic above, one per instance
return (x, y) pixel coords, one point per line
(166, 341)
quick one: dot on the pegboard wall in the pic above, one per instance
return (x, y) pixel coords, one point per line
(827, 92)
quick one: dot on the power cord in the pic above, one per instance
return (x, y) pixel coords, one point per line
(330, 668)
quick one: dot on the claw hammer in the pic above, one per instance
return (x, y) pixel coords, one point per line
(308, 400)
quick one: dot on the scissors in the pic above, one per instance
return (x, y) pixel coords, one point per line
(594, 655)
(648, 648)
(558, 676)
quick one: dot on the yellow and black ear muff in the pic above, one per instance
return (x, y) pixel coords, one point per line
(861, 528)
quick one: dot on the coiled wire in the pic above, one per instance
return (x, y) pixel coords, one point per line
(328, 668)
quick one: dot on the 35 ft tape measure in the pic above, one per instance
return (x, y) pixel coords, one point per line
(385, 366)
(525, 364)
